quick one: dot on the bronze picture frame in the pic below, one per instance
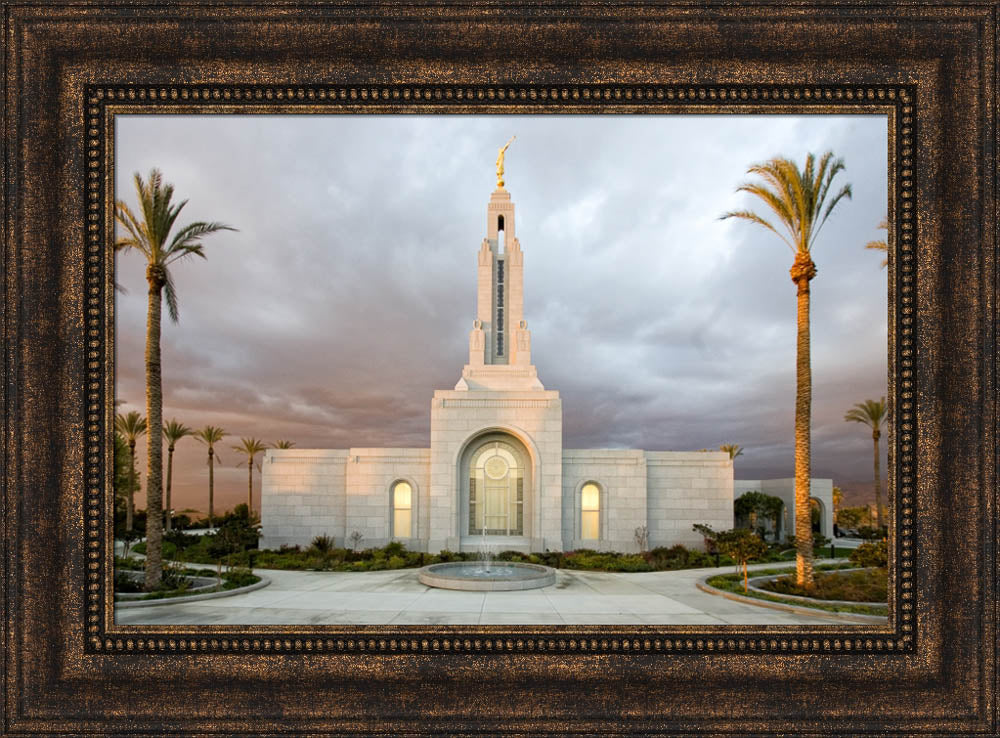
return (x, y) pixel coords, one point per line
(68, 68)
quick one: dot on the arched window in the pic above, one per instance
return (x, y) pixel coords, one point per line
(402, 509)
(590, 511)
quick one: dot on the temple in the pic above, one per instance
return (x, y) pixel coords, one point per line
(496, 471)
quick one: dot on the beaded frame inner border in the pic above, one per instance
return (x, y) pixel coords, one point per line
(103, 102)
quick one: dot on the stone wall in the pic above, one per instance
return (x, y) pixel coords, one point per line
(311, 492)
(685, 488)
(303, 495)
(621, 476)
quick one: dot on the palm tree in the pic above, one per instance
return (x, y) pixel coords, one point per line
(881, 245)
(732, 449)
(251, 447)
(873, 414)
(150, 236)
(131, 426)
(284, 444)
(797, 198)
(211, 435)
(173, 432)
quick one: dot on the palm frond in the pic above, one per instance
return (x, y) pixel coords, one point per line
(870, 412)
(753, 217)
(170, 294)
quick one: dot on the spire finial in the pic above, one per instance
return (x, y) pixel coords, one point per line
(500, 163)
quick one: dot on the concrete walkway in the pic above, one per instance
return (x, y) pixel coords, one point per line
(398, 598)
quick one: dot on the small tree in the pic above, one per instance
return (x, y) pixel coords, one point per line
(642, 538)
(742, 545)
(232, 537)
(355, 539)
(708, 534)
(733, 449)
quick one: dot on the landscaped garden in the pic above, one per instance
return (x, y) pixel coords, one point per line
(177, 580)
(865, 581)
(235, 544)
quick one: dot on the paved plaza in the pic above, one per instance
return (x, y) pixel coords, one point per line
(398, 598)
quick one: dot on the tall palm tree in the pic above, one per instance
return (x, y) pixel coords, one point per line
(251, 447)
(211, 435)
(284, 444)
(150, 236)
(797, 198)
(732, 449)
(873, 414)
(882, 246)
(173, 432)
(131, 426)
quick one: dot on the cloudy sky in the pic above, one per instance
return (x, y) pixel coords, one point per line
(346, 297)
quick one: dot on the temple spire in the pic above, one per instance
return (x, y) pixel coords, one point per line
(500, 342)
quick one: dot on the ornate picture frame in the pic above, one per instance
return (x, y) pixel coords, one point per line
(69, 69)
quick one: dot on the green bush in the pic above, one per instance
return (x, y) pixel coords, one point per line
(394, 548)
(239, 577)
(125, 583)
(396, 562)
(322, 543)
(871, 555)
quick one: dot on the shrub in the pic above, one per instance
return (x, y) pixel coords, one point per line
(239, 577)
(180, 539)
(869, 533)
(871, 555)
(396, 562)
(125, 583)
(322, 544)
(394, 548)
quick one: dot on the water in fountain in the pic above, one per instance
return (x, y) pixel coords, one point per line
(486, 555)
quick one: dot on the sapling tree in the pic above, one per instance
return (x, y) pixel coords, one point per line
(741, 545)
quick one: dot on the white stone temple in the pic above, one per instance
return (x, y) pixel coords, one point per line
(496, 470)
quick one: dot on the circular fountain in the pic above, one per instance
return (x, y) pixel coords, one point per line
(480, 576)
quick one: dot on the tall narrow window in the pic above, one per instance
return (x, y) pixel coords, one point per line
(499, 302)
(402, 508)
(590, 512)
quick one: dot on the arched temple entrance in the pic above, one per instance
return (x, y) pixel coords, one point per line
(496, 503)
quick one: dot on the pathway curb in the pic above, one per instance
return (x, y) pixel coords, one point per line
(264, 581)
(850, 617)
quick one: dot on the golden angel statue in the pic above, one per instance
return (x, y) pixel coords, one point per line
(500, 163)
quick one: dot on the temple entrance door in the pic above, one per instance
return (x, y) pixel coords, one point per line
(496, 490)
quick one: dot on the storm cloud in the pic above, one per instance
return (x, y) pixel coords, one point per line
(346, 296)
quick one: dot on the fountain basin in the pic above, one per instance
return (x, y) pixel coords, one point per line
(504, 576)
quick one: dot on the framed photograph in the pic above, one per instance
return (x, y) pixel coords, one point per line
(492, 300)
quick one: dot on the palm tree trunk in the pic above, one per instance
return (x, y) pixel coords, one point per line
(211, 485)
(154, 420)
(250, 488)
(130, 497)
(170, 474)
(878, 485)
(805, 270)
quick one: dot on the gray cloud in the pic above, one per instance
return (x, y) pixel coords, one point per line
(345, 298)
